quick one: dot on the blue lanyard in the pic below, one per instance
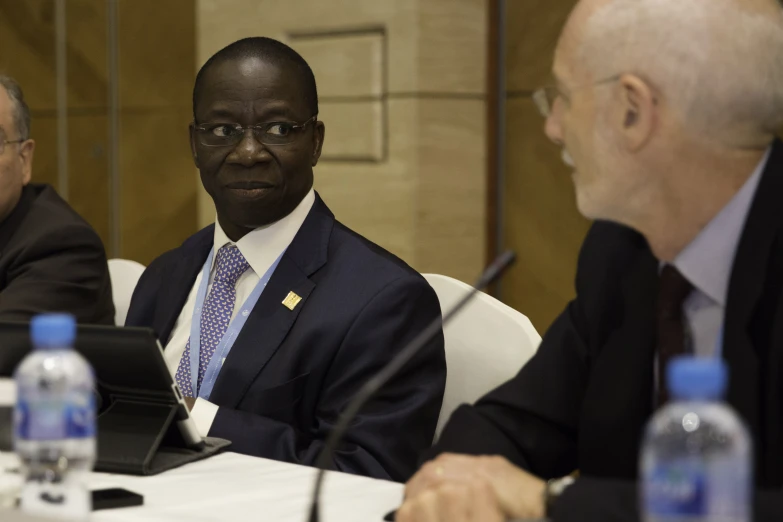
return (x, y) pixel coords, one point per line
(227, 342)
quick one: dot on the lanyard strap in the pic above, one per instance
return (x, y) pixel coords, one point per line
(234, 328)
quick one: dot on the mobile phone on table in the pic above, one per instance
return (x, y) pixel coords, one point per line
(114, 498)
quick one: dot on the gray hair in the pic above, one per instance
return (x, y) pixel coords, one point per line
(718, 63)
(21, 110)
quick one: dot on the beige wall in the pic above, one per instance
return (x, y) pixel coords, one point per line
(402, 93)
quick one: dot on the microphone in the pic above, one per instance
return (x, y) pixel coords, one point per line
(371, 387)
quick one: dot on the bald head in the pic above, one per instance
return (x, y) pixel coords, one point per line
(716, 64)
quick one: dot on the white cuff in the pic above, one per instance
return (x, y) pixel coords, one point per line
(203, 415)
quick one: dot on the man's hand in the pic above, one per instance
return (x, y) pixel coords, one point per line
(459, 488)
(190, 402)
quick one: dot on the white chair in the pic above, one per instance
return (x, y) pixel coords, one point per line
(487, 343)
(124, 275)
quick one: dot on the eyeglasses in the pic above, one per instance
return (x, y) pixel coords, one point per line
(10, 142)
(231, 134)
(545, 97)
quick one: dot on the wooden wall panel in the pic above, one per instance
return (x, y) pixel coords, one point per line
(345, 65)
(532, 30)
(158, 194)
(27, 52)
(451, 196)
(157, 61)
(27, 48)
(357, 130)
(157, 53)
(86, 56)
(541, 222)
(156, 71)
(88, 167)
(452, 47)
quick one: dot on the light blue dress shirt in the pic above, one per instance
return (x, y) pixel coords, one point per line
(707, 262)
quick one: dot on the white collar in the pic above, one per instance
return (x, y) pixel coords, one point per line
(707, 260)
(265, 244)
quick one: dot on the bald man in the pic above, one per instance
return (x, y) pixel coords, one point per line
(667, 111)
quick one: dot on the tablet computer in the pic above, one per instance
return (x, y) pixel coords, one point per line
(126, 361)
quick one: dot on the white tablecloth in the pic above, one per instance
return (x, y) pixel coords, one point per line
(234, 487)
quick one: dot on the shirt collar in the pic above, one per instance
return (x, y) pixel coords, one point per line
(265, 244)
(707, 260)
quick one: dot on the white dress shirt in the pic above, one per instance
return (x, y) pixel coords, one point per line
(260, 248)
(707, 262)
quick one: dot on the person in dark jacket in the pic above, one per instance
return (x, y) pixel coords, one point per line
(51, 260)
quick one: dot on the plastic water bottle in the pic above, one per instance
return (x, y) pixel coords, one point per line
(54, 421)
(696, 461)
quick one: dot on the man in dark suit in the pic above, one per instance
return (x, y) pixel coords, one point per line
(274, 317)
(670, 128)
(50, 258)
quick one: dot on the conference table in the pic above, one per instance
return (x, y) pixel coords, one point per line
(236, 487)
(230, 486)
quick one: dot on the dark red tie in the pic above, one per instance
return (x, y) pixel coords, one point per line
(673, 289)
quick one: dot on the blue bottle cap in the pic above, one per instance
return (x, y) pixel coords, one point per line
(691, 378)
(53, 330)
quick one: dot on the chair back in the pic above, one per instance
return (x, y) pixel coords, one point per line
(124, 275)
(487, 343)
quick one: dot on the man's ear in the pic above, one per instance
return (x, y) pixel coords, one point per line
(27, 151)
(193, 151)
(639, 112)
(319, 133)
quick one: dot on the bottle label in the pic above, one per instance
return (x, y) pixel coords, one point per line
(675, 490)
(691, 488)
(41, 416)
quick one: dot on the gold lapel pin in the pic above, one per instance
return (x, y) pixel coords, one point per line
(291, 300)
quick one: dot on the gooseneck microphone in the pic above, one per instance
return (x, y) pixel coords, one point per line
(371, 387)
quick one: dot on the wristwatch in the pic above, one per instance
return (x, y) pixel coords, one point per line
(554, 488)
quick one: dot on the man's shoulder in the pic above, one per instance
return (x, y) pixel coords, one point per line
(364, 258)
(611, 246)
(610, 254)
(51, 216)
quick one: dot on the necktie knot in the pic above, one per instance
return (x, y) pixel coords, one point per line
(231, 264)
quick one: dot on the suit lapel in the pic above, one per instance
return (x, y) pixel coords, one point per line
(619, 397)
(270, 321)
(753, 295)
(264, 331)
(180, 280)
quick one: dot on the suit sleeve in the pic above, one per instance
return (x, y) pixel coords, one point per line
(60, 272)
(617, 501)
(532, 420)
(395, 426)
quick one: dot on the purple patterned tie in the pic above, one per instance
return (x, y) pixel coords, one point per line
(215, 316)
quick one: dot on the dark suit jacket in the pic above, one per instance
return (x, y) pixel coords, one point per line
(583, 401)
(51, 260)
(291, 372)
